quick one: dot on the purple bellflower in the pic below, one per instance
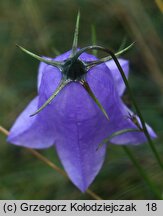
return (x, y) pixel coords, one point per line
(78, 106)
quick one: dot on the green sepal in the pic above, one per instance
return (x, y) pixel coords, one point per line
(53, 63)
(62, 84)
(105, 59)
(88, 89)
(123, 44)
(76, 34)
(117, 133)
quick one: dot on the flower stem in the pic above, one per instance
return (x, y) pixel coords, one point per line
(144, 128)
(138, 112)
(51, 164)
(142, 172)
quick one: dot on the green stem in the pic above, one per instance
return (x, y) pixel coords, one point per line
(151, 144)
(90, 64)
(138, 112)
(142, 172)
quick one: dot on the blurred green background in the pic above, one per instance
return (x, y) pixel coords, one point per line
(46, 27)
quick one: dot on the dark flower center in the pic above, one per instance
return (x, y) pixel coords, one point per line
(74, 69)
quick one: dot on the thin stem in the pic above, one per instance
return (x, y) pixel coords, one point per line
(151, 144)
(46, 161)
(137, 109)
(4, 131)
(94, 195)
(51, 164)
(142, 172)
(90, 64)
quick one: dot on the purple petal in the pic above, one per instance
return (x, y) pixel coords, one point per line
(77, 138)
(80, 126)
(76, 118)
(42, 68)
(38, 131)
(78, 122)
(75, 123)
(119, 83)
(101, 83)
(80, 158)
(32, 132)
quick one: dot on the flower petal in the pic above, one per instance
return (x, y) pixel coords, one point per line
(101, 83)
(74, 122)
(119, 83)
(32, 132)
(80, 126)
(77, 137)
(42, 68)
(78, 152)
(75, 118)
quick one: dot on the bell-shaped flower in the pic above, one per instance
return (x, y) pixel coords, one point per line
(77, 107)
